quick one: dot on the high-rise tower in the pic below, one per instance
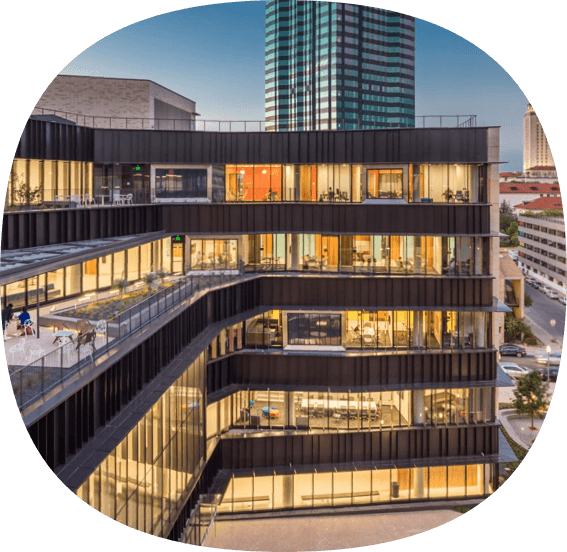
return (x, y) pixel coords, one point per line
(338, 66)
(536, 148)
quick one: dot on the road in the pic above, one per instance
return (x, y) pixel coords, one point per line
(543, 310)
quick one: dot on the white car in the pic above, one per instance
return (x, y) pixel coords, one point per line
(563, 299)
(513, 370)
(552, 294)
(554, 358)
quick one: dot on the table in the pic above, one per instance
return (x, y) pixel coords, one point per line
(337, 404)
(62, 334)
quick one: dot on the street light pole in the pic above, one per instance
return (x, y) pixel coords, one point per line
(548, 349)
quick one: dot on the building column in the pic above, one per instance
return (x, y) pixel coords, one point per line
(479, 330)
(418, 254)
(419, 487)
(417, 329)
(294, 249)
(418, 405)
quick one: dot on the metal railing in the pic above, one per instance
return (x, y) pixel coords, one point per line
(46, 374)
(215, 125)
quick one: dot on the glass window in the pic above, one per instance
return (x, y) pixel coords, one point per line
(90, 282)
(181, 183)
(133, 264)
(105, 271)
(73, 279)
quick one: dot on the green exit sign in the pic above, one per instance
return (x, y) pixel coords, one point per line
(177, 238)
(138, 168)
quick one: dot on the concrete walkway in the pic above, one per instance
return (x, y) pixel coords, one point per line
(317, 532)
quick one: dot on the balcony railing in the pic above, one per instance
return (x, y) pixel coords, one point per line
(209, 125)
(46, 375)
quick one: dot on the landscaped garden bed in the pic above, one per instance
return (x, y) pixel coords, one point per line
(108, 308)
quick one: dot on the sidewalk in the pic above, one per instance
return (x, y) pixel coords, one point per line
(555, 344)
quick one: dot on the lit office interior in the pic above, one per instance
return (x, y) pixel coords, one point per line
(350, 410)
(96, 274)
(436, 183)
(143, 482)
(322, 486)
(377, 254)
(384, 329)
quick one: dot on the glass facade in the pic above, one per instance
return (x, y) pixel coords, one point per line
(384, 329)
(435, 183)
(144, 481)
(181, 183)
(95, 274)
(338, 66)
(350, 411)
(37, 181)
(326, 487)
(376, 254)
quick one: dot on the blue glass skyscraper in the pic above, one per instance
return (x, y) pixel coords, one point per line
(338, 66)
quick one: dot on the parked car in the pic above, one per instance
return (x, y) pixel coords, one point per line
(553, 371)
(513, 370)
(536, 284)
(530, 281)
(552, 294)
(563, 299)
(514, 350)
(554, 358)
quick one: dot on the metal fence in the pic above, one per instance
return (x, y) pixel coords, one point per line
(48, 373)
(215, 125)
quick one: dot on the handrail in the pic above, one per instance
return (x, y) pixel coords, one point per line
(217, 125)
(41, 377)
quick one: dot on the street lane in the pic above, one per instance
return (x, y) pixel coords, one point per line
(545, 309)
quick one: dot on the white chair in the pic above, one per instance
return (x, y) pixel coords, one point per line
(89, 200)
(85, 351)
(76, 199)
(129, 199)
(18, 349)
(35, 352)
(100, 328)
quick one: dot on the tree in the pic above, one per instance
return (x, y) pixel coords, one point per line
(120, 285)
(505, 208)
(22, 192)
(530, 397)
(528, 301)
(515, 329)
(512, 231)
(149, 279)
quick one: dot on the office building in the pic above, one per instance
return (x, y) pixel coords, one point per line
(542, 242)
(338, 66)
(537, 154)
(319, 327)
(518, 193)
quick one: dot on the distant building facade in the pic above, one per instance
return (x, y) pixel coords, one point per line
(542, 248)
(516, 194)
(116, 103)
(537, 153)
(338, 66)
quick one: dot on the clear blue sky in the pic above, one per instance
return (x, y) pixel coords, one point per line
(215, 56)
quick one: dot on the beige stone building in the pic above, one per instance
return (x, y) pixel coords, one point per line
(536, 149)
(116, 103)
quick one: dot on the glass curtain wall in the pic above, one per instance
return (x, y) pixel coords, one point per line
(388, 329)
(261, 183)
(350, 410)
(435, 183)
(95, 274)
(214, 254)
(143, 482)
(299, 488)
(35, 181)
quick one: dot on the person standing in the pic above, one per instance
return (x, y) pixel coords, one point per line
(7, 314)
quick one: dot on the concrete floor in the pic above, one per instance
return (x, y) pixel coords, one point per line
(315, 532)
